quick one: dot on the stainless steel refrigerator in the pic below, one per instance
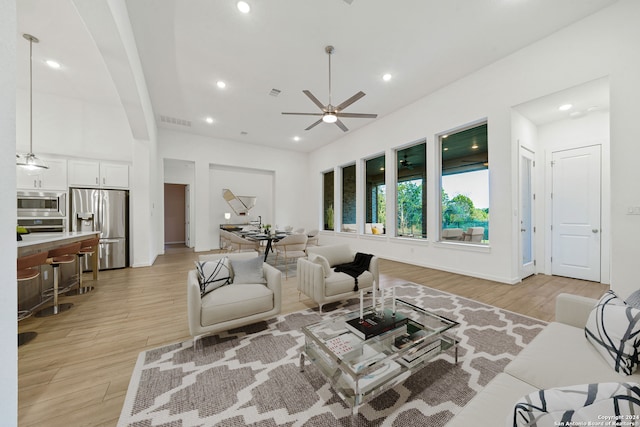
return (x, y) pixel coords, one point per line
(106, 211)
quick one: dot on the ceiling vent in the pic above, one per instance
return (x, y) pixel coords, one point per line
(275, 92)
(174, 121)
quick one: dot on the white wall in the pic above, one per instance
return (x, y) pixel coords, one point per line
(603, 44)
(72, 127)
(178, 172)
(241, 182)
(8, 308)
(291, 194)
(592, 129)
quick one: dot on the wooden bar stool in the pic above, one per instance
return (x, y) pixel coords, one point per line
(63, 255)
(87, 247)
(26, 271)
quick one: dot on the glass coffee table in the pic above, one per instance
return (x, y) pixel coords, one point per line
(360, 370)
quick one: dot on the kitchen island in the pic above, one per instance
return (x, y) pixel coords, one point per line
(30, 292)
(38, 242)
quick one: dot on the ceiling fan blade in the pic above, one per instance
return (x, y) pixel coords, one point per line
(314, 99)
(315, 124)
(358, 115)
(303, 114)
(350, 101)
(341, 125)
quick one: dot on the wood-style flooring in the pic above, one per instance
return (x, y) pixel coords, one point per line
(77, 370)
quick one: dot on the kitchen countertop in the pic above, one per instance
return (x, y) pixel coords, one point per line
(34, 239)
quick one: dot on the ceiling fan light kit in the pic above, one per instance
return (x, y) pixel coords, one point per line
(330, 113)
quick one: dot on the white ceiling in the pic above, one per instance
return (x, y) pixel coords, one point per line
(185, 46)
(584, 99)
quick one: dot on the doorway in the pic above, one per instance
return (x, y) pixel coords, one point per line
(527, 212)
(576, 213)
(176, 215)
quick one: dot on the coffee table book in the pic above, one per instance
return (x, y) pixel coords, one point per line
(373, 325)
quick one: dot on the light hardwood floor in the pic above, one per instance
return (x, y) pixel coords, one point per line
(76, 372)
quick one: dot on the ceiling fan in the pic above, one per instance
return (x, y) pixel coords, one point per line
(405, 163)
(330, 113)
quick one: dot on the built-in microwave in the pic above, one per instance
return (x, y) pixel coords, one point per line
(41, 204)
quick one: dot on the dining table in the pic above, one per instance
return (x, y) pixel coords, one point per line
(263, 237)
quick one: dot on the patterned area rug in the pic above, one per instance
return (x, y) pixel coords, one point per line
(250, 376)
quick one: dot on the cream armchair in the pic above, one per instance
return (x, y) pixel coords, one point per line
(233, 305)
(318, 280)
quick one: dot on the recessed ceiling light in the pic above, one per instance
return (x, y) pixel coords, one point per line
(565, 107)
(387, 77)
(209, 120)
(296, 138)
(243, 7)
(221, 84)
(53, 64)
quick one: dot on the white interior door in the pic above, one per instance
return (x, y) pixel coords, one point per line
(527, 223)
(576, 183)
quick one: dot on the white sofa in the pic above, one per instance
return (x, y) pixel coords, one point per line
(233, 305)
(323, 286)
(559, 356)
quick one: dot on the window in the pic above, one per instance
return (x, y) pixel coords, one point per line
(349, 199)
(327, 199)
(411, 191)
(375, 197)
(465, 185)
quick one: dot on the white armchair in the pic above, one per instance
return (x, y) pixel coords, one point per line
(318, 280)
(233, 305)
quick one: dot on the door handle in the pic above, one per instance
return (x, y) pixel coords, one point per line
(523, 230)
(595, 230)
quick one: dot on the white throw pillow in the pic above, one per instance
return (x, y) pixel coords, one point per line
(613, 328)
(634, 299)
(587, 404)
(249, 271)
(326, 268)
(213, 274)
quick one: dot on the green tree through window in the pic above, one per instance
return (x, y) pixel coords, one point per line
(411, 192)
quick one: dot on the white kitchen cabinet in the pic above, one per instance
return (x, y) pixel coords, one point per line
(94, 174)
(114, 175)
(84, 173)
(54, 178)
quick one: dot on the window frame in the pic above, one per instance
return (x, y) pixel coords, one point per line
(342, 198)
(323, 225)
(365, 195)
(425, 191)
(439, 139)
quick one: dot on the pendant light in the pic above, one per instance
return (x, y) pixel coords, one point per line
(30, 161)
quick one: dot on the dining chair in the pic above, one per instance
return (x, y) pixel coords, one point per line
(312, 237)
(290, 247)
